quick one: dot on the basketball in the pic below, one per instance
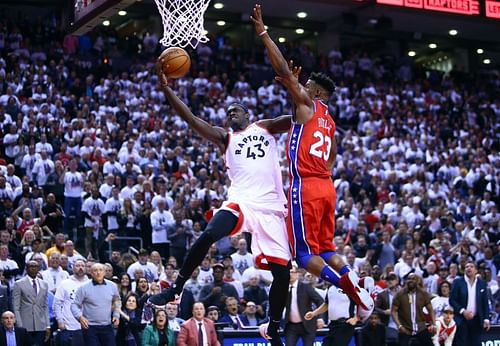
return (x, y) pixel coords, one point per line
(176, 62)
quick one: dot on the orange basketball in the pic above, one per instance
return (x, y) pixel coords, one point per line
(176, 62)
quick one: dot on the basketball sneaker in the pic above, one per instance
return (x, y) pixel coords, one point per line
(368, 284)
(349, 282)
(271, 333)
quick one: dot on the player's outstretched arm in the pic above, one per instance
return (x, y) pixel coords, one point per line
(214, 134)
(279, 124)
(279, 63)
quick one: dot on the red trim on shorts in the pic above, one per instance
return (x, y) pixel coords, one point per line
(237, 227)
(270, 259)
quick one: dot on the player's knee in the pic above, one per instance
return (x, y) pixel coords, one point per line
(303, 261)
(326, 256)
(280, 273)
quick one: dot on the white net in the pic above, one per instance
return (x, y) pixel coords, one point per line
(182, 22)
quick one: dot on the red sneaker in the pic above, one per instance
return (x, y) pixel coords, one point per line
(349, 284)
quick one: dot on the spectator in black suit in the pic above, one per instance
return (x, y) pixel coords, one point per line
(5, 301)
(471, 316)
(9, 332)
(301, 298)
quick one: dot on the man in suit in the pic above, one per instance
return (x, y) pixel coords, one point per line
(383, 305)
(12, 335)
(29, 297)
(198, 330)
(296, 326)
(5, 302)
(469, 301)
(231, 316)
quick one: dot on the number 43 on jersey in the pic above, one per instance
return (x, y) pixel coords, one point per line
(255, 151)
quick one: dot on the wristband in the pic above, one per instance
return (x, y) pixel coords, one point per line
(263, 33)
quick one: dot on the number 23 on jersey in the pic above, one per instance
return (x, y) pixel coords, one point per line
(322, 146)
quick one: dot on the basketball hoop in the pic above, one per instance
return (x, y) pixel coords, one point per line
(182, 22)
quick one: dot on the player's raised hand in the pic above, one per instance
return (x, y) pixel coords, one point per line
(257, 19)
(161, 74)
(295, 71)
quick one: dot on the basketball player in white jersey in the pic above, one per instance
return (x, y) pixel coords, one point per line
(256, 201)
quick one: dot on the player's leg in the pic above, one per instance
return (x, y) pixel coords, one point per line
(270, 243)
(304, 231)
(220, 226)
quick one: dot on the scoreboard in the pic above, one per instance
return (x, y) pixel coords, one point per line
(463, 7)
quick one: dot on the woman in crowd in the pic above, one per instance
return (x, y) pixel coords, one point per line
(129, 329)
(441, 301)
(155, 258)
(124, 287)
(127, 218)
(158, 333)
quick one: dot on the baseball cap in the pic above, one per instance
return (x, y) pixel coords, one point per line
(448, 309)
(143, 252)
(218, 265)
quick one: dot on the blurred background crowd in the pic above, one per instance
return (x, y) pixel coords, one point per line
(91, 153)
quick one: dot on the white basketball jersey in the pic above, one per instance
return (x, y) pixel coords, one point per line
(253, 168)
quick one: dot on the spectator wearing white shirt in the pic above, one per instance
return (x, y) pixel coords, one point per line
(112, 166)
(161, 220)
(242, 259)
(129, 190)
(29, 160)
(70, 330)
(54, 275)
(112, 207)
(9, 142)
(92, 210)
(414, 216)
(105, 189)
(149, 268)
(43, 168)
(9, 268)
(391, 206)
(43, 145)
(73, 187)
(406, 265)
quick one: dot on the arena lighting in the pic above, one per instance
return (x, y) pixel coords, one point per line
(122, 13)
(432, 45)
(266, 27)
(106, 23)
(299, 31)
(412, 53)
(479, 51)
(205, 32)
(486, 61)
(221, 23)
(301, 14)
(281, 39)
(218, 5)
(453, 32)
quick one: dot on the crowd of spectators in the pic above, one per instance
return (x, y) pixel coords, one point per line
(91, 153)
